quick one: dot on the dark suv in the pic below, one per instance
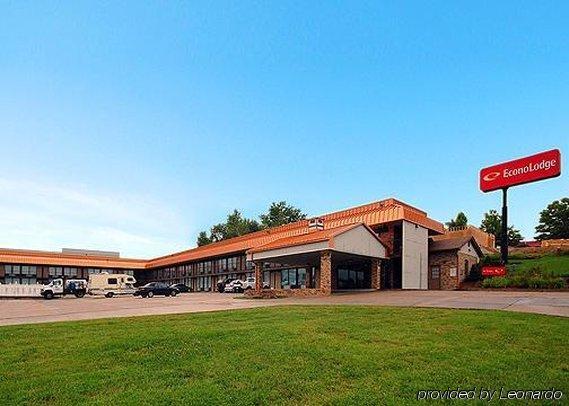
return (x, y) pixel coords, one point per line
(156, 288)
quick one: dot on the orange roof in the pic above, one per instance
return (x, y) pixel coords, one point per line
(309, 237)
(372, 214)
(60, 259)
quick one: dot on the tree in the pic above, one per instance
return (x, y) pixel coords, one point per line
(460, 221)
(554, 221)
(281, 213)
(492, 224)
(203, 239)
(235, 225)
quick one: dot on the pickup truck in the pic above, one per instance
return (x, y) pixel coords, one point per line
(62, 287)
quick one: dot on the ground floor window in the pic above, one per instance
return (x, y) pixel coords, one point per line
(294, 278)
(204, 283)
(352, 279)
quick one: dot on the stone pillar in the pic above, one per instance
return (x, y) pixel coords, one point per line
(326, 272)
(375, 273)
(258, 277)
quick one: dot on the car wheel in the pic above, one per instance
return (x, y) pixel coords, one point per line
(173, 293)
(150, 294)
(48, 295)
(109, 295)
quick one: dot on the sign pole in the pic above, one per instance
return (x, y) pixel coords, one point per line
(504, 242)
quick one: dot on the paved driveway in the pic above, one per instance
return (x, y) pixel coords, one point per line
(20, 311)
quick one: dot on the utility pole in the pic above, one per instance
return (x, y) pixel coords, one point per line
(504, 240)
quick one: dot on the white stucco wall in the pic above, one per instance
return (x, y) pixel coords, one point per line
(415, 256)
(294, 250)
(360, 241)
(469, 249)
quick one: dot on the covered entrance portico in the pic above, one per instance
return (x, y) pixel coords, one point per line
(320, 262)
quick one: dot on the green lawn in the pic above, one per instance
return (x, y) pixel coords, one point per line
(557, 265)
(301, 355)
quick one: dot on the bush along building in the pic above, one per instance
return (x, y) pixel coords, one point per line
(382, 245)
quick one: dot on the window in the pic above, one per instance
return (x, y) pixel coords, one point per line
(112, 281)
(55, 271)
(28, 270)
(351, 279)
(222, 264)
(436, 272)
(13, 269)
(301, 280)
(292, 278)
(70, 271)
(232, 263)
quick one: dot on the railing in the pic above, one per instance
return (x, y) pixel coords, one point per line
(16, 290)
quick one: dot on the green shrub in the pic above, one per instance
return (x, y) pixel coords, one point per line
(496, 282)
(490, 260)
(532, 278)
(475, 274)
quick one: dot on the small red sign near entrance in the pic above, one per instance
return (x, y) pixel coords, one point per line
(540, 166)
(493, 271)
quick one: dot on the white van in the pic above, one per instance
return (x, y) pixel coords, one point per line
(110, 285)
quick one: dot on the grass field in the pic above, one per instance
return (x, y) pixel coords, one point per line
(557, 265)
(312, 355)
(532, 271)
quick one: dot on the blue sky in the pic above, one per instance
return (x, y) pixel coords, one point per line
(133, 126)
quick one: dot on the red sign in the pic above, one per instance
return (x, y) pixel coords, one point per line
(541, 166)
(493, 271)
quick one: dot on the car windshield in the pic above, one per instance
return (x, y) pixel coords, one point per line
(149, 285)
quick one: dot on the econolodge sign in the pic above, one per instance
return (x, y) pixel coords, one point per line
(489, 271)
(540, 166)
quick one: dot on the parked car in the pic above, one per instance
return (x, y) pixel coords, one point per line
(250, 284)
(111, 285)
(235, 286)
(182, 288)
(156, 288)
(221, 284)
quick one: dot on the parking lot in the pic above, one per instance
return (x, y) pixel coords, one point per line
(20, 311)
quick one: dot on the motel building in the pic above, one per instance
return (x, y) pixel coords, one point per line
(386, 244)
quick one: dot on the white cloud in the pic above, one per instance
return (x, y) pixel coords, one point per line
(41, 216)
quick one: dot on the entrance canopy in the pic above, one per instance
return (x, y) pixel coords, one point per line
(354, 239)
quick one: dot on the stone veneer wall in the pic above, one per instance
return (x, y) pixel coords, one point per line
(326, 272)
(375, 274)
(461, 271)
(445, 260)
(448, 259)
